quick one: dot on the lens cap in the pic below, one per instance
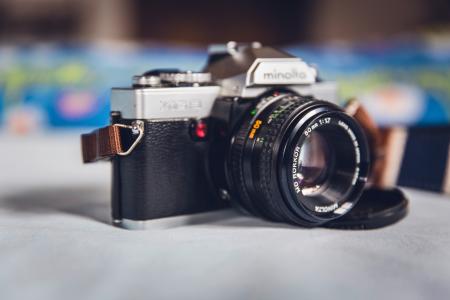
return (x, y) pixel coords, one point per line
(375, 209)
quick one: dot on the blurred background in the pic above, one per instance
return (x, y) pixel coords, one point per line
(59, 58)
(58, 62)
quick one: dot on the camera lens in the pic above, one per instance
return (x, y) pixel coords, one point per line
(313, 157)
(297, 159)
(323, 168)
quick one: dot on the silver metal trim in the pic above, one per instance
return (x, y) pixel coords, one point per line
(186, 77)
(137, 127)
(153, 81)
(131, 224)
(159, 223)
(326, 90)
(164, 103)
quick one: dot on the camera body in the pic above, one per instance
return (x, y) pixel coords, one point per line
(180, 165)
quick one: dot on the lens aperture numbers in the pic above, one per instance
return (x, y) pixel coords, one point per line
(319, 122)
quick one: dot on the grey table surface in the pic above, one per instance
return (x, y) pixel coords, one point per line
(56, 243)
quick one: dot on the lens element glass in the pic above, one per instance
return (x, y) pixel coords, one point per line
(313, 163)
(325, 166)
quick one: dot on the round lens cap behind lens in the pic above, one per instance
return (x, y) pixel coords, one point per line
(375, 209)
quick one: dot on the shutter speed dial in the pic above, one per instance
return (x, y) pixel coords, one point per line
(172, 77)
(187, 77)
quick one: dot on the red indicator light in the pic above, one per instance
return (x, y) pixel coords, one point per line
(201, 130)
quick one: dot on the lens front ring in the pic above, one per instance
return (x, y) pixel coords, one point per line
(264, 145)
(348, 173)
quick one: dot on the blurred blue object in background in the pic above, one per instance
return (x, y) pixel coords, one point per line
(55, 86)
(58, 86)
(400, 82)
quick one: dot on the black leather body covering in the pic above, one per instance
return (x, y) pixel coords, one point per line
(165, 175)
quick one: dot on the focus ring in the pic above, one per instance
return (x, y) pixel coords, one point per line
(236, 162)
(237, 151)
(265, 157)
(291, 103)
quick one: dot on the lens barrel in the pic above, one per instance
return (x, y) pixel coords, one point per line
(297, 160)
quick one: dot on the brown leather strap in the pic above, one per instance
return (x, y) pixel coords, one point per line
(417, 157)
(102, 143)
(376, 139)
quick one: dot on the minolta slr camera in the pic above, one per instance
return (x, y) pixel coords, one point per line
(256, 129)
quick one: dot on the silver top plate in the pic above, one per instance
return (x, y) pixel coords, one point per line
(164, 103)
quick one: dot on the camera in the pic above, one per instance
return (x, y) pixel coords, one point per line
(256, 129)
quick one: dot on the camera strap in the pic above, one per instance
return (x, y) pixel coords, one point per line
(101, 144)
(105, 143)
(417, 157)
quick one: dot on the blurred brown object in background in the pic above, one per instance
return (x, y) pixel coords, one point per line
(362, 19)
(66, 21)
(204, 22)
(286, 22)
